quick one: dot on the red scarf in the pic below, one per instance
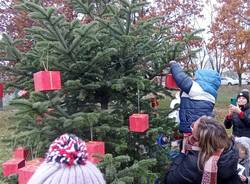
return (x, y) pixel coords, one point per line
(210, 168)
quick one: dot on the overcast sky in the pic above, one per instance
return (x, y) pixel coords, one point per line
(209, 15)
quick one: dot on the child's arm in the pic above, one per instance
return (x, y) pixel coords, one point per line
(183, 81)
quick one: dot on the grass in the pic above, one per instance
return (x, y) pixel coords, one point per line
(4, 121)
(223, 100)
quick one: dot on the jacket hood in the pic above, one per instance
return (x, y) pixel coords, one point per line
(245, 141)
(227, 164)
(209, 80)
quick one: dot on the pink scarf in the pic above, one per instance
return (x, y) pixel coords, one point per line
(210, 168)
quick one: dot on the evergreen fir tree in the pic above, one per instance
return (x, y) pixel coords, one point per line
(107, 66)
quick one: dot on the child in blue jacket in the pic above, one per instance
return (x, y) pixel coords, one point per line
(197, 96)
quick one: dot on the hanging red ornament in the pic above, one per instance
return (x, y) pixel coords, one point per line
(21, 153)
(170, 82)
(25, 173)
(18, 161)
(138, 122)
(11, 166)
(95, 148)
(47, 80)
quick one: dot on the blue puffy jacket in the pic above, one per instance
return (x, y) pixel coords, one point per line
(197, 97)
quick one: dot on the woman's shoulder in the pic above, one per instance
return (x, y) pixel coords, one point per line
(229, 154)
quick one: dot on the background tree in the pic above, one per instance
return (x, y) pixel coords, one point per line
(14, 22)
(212, 54)
(180, 17)
(230, 35)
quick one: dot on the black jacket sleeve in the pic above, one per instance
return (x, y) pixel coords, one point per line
(171, 176)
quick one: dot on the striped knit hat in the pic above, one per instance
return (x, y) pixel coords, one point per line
(66, 163)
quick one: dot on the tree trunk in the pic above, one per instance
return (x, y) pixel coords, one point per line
(240, 79)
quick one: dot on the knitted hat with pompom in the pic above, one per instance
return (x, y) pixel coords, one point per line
(244, 94)
(66, 163)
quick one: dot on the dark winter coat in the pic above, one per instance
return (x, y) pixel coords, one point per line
(239, 122)
(197, 96)
(184, 169)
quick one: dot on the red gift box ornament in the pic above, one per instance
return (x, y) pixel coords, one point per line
(11, 166)
(170, 82)
(95, 148)
(47, 80)
(138, 122)
(25, 173)
(21, 153)
(18, 161)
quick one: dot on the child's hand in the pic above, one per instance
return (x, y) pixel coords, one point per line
(243, 178)
(172, 62)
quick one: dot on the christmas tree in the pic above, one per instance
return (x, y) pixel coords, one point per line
(107, 66)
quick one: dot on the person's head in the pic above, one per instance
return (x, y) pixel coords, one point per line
(243, 145)
(243, 152)
(243, 98)
(211, 136)
(66, 162)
